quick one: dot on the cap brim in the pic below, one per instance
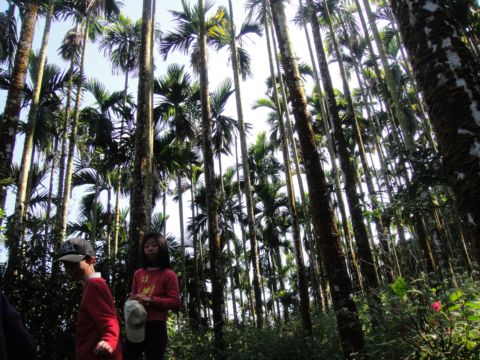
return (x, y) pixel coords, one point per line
(72, 258)
(135, 335)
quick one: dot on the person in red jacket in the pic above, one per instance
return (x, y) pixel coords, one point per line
(98, 330)
(155, 286)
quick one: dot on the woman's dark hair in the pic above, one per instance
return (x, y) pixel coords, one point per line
(163, 260)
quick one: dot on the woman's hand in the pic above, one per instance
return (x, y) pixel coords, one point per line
(144, 299)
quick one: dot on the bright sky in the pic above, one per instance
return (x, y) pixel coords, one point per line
(98, 67)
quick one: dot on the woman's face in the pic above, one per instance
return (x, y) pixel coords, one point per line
(151, 248)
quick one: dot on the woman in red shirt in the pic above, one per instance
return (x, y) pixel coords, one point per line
(155, 286)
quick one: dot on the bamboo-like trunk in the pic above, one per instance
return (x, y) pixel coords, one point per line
(118, 186)
(389, 78)
(287, 131)
(246, 176)
(244, 240)
(364, 252)
(297, 241)
(62, 224)
(182, 247)
(361, 149)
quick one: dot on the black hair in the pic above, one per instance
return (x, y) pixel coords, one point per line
(163, 260)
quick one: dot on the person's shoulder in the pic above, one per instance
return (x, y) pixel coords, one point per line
(139, 272)
(96, 282)
(169, 272)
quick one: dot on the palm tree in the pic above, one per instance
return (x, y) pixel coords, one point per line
(451, 97)
(186, 36)
(346, 163)
(213, 227)
(224, 127)
(236, 67)
(178, 96)
(9, 120)
(90, 10)
(142, 187)
(122, 44)
(8, 43)
(322, 213)
(19, 212)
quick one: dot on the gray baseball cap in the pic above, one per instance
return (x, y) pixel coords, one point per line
(75, 250)
(135, 319)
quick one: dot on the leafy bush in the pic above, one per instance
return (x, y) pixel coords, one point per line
(277, 341)
(428, 322)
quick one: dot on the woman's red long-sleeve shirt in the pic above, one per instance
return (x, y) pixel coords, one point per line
(162, 286)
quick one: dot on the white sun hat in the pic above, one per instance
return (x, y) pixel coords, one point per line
(135, 319)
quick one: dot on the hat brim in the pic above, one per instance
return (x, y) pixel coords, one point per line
(72, 258)
(135, 335)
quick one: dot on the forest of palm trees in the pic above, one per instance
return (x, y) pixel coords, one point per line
(329, 234)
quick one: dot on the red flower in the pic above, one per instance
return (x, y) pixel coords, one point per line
(436, 306)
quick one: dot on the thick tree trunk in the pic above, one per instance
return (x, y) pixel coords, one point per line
(348, 323)
(141, 193)
(218, 303)
(13, 105)
(246, 173)
(447, 75)
(346, 163)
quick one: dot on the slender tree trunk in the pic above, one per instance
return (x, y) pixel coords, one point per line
(118, 186)
(108, 237)
(346, 164)
(48, 210)
(447, 75)
(182, 247)
(246, 176)
(351, 255)
(13, 105)
(244, 241)
(15, 233)
(312, 245)
(141, 193)
(297, 241)
(63, 153)
(95, 210)
(348, 323)
(361, 149)
(62, 226)
(213, 227)
(232, 285)
(196, 280)
(390, 80)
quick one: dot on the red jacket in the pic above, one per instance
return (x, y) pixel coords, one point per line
(162, 286)
(97, 320)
